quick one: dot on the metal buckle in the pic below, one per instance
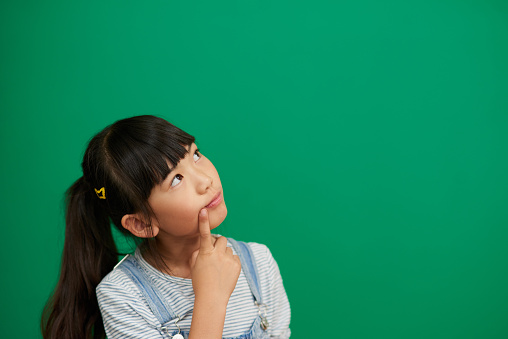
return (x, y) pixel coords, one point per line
(262, 314)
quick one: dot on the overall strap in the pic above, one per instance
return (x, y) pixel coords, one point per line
(249, 267)
(159, 306)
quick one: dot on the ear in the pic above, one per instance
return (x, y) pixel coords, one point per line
(135, 224)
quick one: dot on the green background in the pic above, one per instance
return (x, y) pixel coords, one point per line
(365, 142)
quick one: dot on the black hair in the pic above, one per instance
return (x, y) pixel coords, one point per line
(121, 166)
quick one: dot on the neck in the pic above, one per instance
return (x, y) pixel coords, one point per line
(175, 253)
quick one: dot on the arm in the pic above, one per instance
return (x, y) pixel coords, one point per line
(214, 271)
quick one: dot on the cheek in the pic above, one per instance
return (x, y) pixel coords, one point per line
(217, 176)
(185, 214)
(218, 215)
(178, 218)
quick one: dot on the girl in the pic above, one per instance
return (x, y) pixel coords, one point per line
(148, 178)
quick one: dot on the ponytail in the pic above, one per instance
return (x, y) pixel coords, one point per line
(122, 163)
(89, 254)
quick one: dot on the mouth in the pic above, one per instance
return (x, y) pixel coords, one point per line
(215, 201)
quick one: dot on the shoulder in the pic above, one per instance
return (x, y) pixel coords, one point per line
(122, 304)
(266, 265)
(117, 287)
(117, 279)
(262, 254)
(260, 251)
(114, 278)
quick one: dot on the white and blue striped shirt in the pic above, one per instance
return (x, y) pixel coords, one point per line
(126, 313)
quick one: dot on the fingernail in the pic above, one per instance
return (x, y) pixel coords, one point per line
(202, 212)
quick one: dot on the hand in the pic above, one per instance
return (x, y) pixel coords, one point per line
(214, 268)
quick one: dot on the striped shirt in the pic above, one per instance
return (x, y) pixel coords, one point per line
(126, 313)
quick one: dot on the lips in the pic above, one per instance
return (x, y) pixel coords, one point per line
(215, 201)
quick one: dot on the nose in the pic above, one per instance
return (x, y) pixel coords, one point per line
(203, 182)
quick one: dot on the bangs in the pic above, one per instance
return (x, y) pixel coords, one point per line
(144, 151)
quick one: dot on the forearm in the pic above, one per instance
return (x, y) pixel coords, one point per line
(207, 319)
(215, 271)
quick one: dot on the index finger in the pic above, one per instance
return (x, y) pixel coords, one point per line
(206, 244)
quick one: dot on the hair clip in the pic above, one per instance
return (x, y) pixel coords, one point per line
(101, 194)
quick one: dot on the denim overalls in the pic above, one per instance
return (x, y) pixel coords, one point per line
(163, 311)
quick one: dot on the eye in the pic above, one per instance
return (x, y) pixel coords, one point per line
(176, 180)
(197, 155)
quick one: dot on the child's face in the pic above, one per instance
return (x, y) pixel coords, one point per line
(190, 186)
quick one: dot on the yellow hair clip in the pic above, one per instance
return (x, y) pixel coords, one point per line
(101, 194)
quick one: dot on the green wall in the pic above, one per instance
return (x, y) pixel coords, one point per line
(365, 142)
